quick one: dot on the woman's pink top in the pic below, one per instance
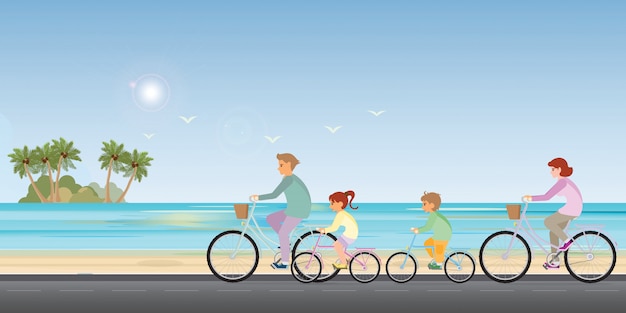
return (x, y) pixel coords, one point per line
(564, 187)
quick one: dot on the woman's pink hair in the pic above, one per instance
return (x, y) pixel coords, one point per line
(562, 164)
(343, 197)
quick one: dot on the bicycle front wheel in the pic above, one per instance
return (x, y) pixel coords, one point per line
(232, 256)
(307, 241)
(459, 267)
(504, 256)
(306, 267)
(591, 257)
(401, 267)
(364, 266)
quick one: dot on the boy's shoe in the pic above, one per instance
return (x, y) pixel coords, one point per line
(279, 266)
(340, 266)
(434, 266)
(549, 266)
(566, 245)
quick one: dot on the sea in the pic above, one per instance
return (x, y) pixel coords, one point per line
(192, 226)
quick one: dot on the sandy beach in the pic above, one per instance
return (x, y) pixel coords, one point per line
(173, 262)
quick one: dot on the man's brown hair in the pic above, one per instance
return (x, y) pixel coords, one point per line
(288, 158)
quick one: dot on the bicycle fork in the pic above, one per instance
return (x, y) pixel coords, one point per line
(314, 252)
(241, 236)
(408, 251)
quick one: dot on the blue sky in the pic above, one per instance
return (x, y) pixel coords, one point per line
(478, 95)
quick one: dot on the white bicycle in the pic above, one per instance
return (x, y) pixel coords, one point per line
(505, 256)
(233, 255)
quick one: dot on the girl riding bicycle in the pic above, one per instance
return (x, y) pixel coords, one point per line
(338, 202)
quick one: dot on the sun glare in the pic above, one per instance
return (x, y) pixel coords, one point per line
(150, 92)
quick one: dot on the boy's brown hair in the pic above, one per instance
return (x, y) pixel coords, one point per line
(432, 197)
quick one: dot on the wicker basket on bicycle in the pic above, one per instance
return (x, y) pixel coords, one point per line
(513, 210)
(241, 210)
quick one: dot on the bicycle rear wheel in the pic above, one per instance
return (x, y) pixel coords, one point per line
(364, 266)
(401, 267)
(307, 241)
(591, 257)
(232, 256)
(459, 267)
(504, 256)
(306, 267)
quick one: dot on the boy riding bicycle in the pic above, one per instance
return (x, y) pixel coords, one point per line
(442, 230)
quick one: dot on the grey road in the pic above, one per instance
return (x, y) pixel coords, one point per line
(281, 293)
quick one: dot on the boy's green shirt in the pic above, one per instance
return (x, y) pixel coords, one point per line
(440, 226)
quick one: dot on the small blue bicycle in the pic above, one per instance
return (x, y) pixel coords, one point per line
(459, 264)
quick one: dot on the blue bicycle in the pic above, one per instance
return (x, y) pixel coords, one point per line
(459, 264)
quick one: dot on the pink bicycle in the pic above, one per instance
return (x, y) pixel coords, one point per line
(307, 266)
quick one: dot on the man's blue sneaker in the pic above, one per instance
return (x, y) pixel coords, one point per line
(279, 266)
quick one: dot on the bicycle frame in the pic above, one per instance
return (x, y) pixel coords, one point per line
(257, 232)
(349, 254)
(412, 245)
(506, 255)
(529, 232)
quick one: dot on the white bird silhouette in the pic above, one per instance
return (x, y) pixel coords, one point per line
(272, 140)
(333, 129)
(148, 135)
(187, 119)
(376, 113)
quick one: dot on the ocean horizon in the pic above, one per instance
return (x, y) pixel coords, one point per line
(191, 226)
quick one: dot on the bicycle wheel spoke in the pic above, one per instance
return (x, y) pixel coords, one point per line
(232, 256)
(327, 255)
(401, 267)
(306, 267)
(591, 257)
(459, 267)
(364, 266)
(504, 257)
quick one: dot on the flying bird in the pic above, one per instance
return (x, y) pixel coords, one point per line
(333, 129)
(376, 113)
(148, 135)
(272, 139)
(187, 119)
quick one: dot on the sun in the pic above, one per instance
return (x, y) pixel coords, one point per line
(151, 92)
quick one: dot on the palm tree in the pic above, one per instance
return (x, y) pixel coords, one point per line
(135, 167)
(67, 154)
(21, 160)
(47, 156)
(110, 158)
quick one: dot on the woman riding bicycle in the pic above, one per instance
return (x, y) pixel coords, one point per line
(573, 207)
